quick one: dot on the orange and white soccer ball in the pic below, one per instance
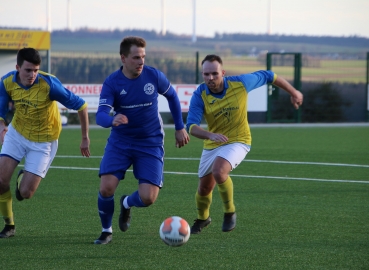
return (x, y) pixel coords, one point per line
(175, 231)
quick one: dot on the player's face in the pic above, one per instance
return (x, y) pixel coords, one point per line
(213, 74)
(27, 73)
(134, 62)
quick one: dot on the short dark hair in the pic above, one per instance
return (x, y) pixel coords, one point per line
(127, 42)
(212, 58)
(30, 55)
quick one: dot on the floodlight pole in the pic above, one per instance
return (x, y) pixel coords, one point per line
(269, 30)
(367, 86)
(69, 16)
(194, 21)
(163, 18)
(48, 26)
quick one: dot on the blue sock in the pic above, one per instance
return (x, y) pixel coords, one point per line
(135, 200)
(106, 210)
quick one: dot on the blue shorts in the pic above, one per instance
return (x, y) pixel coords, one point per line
(147, 162)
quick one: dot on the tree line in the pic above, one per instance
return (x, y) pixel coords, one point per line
(95, 70)
(352, 41)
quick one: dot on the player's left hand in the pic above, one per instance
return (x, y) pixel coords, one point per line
(297, 99)
(85, 147)
(182, 138)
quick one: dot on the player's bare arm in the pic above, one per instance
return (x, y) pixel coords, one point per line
(85, 143)
(85, 147)
(296, 96)
(182, 138)
(120, 119)
(201, 133)
(3, 130)
(297, 99)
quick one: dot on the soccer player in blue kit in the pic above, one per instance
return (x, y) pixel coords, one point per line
(137, 135)
(222, 100)
(34, 129)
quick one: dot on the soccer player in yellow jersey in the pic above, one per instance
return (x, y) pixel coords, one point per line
(222, 100)
(34, 130)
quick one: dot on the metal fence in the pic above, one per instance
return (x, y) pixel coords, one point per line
(337, 83)
(317, 68)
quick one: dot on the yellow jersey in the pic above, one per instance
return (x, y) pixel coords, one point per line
(226, 112)
(37, 116)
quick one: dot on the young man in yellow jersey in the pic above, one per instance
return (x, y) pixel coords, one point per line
(222, 100)
(34, 130)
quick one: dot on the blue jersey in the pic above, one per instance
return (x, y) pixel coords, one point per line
(226, 112)
(138, 100)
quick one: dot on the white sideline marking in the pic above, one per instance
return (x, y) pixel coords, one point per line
(256, 160)
(310, 163)
(234, 175)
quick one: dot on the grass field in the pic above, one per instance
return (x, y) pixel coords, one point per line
(332, 70)
(302, 199)
(343, 71)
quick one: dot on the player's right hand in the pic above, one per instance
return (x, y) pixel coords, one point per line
(2, 134)
(296, 99)
(182, 138)
(120, 119)
(219, 138)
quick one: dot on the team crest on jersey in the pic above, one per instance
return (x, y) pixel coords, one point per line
(227, 115)
(149, 88)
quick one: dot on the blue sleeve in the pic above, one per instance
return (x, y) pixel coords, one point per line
(196, 110)
(163, 83)
(107, 96)
(4, 101)
(167, 90)
(106, 101)
(175, 107)
(256, 79)
(103, 117)
(61, 94)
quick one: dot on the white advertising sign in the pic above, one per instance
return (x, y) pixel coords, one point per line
(257, 100)
(89, 92)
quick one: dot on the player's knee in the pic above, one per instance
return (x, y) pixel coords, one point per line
(220, 176)
(107, 192)
(4, 186)
(148, 200)
(204, 190)
(26, 194)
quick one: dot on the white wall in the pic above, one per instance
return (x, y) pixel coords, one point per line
(8, 60)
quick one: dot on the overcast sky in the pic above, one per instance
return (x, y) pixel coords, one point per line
(288, 17)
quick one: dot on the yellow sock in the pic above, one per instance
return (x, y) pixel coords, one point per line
(226, 193)
(203, 205)
(6, 207)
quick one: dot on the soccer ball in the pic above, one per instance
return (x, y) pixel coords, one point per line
(175, 231)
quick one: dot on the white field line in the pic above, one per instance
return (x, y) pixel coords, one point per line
(244, 176)
(255, 160)
(233, 175)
